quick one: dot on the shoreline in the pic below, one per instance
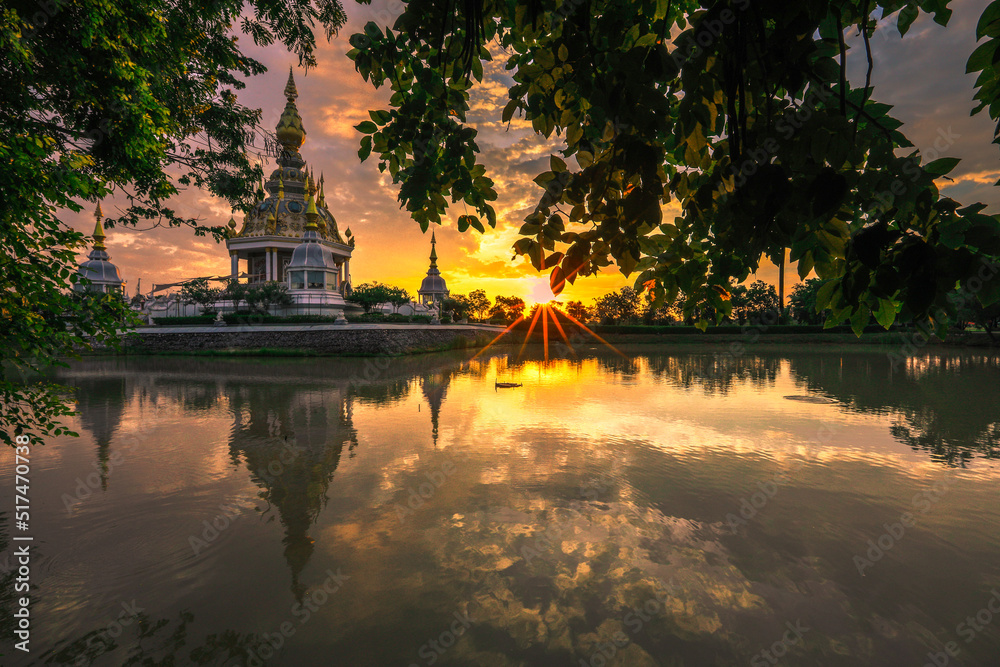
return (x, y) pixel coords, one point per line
(394, 340)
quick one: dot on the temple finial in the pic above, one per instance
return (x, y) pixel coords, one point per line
(98, 228)
(291, 92)
(289, 130)
(311, 214)
(434, 255)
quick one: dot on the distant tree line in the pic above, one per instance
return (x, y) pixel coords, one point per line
(627, 305)
(630, 306)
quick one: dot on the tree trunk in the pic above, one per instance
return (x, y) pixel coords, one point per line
(781, 285)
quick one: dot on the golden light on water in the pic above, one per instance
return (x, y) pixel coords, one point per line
(546, 312)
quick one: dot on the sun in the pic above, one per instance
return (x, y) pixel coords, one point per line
(539, 291)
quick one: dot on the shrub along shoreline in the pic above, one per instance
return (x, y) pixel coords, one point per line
(252, 318)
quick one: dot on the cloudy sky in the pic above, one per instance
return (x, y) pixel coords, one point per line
(922, 74)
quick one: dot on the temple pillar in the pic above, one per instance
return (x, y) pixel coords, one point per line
(267, 264)
(234, 262)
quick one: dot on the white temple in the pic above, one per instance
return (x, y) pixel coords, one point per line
(289, 236)
(433, 290)
(102, 274)
(274, 230)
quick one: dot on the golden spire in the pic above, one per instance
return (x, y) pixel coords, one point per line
(289, 130)
(290, 91)
(310, 186)
(98, 228)
(311, 214)
(434, 255)
(322, 195)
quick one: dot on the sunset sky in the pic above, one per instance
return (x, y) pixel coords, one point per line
(922, 74)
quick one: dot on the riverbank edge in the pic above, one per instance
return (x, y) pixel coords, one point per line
(352, 340)
(369, 340)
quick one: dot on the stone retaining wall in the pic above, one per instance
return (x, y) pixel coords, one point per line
(322, 339)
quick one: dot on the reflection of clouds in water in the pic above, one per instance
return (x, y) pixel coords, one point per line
(550, 577)
(667, 461)
(556, 581)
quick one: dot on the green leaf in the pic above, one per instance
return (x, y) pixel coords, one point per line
(907, 15)
(366, 127)
(508, 111)
(983, 57)
(529, 229)
(646, 40)
(859, 319)
(886, 313)
(988, 21)
(941, 166)
(824, 295)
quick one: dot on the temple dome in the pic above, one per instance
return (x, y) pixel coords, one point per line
(102, 274)
(310, 254)
(433, 288)
(433, 283)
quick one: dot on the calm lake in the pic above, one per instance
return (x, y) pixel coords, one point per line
(672, 506)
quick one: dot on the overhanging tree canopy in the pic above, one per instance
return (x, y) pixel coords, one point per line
(136, 98)
(739, 111)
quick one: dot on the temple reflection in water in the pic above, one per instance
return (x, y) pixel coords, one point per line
(291, 442)
(547, 512)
